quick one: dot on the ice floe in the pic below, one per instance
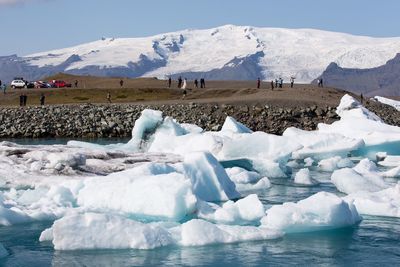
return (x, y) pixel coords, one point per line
(381, 203)
(321, 211)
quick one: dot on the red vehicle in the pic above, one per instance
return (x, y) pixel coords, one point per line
(60, 84)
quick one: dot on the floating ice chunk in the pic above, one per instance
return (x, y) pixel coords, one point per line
(321, 211)
(263, 183)
(334, 163)
(46, 235)
(185, 144)
(146, 125)
(366, 167)
(259, 145)
(269, 168)
(57, 160)
(321, 145)
(100, 231)
(210, 182)
(382, 203)
(349, 181)
(199, 232)
(231, 125)
(358, 121)
(164, 196)
(303, 177)
(395, 172)
(191, 128)
(13, 215)
(390, 161)
(248, 210)
(242, 176)
(3, 251)
(388, 101)
(308, 162)
(293, 164)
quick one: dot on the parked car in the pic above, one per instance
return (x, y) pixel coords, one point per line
(60, 84)
(30, 84)
(42, 84)
(18, 84)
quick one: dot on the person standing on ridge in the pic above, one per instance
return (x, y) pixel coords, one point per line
(76, 83)
(109, 97)
(202, 83)
(169, 82)
(42, 98)
(292, 82)
(196, 83)
(272, 85)
(258, 83)
(21, 100)
(121, 83)
(180, 82)
(25, 99)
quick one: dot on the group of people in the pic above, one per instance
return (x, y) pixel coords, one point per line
(278, 83)
(182, 83)
(23, 99)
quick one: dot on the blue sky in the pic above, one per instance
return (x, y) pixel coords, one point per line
(28, 26)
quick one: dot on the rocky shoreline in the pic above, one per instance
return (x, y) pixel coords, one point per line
(117, 120)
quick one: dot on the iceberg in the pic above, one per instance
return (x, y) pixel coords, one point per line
(390, 161)
(334, 163)
(319, 145)
(210, 182)
(246, 211)
(321, 211)
(303, 177)
(162, 197)
(381, 203)
(101, 231)
(363, 177)
(232, 125)
(355, 120)
(199, 232)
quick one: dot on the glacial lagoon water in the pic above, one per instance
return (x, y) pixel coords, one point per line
(375, 241)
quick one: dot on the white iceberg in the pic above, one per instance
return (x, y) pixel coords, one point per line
(101, 231)
(199, 232)
(248, 210)
(303, 177)
(232, 125)
(382, 203)
(321, 211)
(210, 182)
(319, 145)
(363, 177)
(357, 121)
(164, 196)
(334, 163)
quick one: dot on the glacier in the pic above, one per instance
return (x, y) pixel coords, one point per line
(194, 53)
(175, 184)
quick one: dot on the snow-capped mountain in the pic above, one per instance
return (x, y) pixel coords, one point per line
(227, 52)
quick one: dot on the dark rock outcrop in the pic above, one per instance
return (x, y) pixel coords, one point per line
(383, 80)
